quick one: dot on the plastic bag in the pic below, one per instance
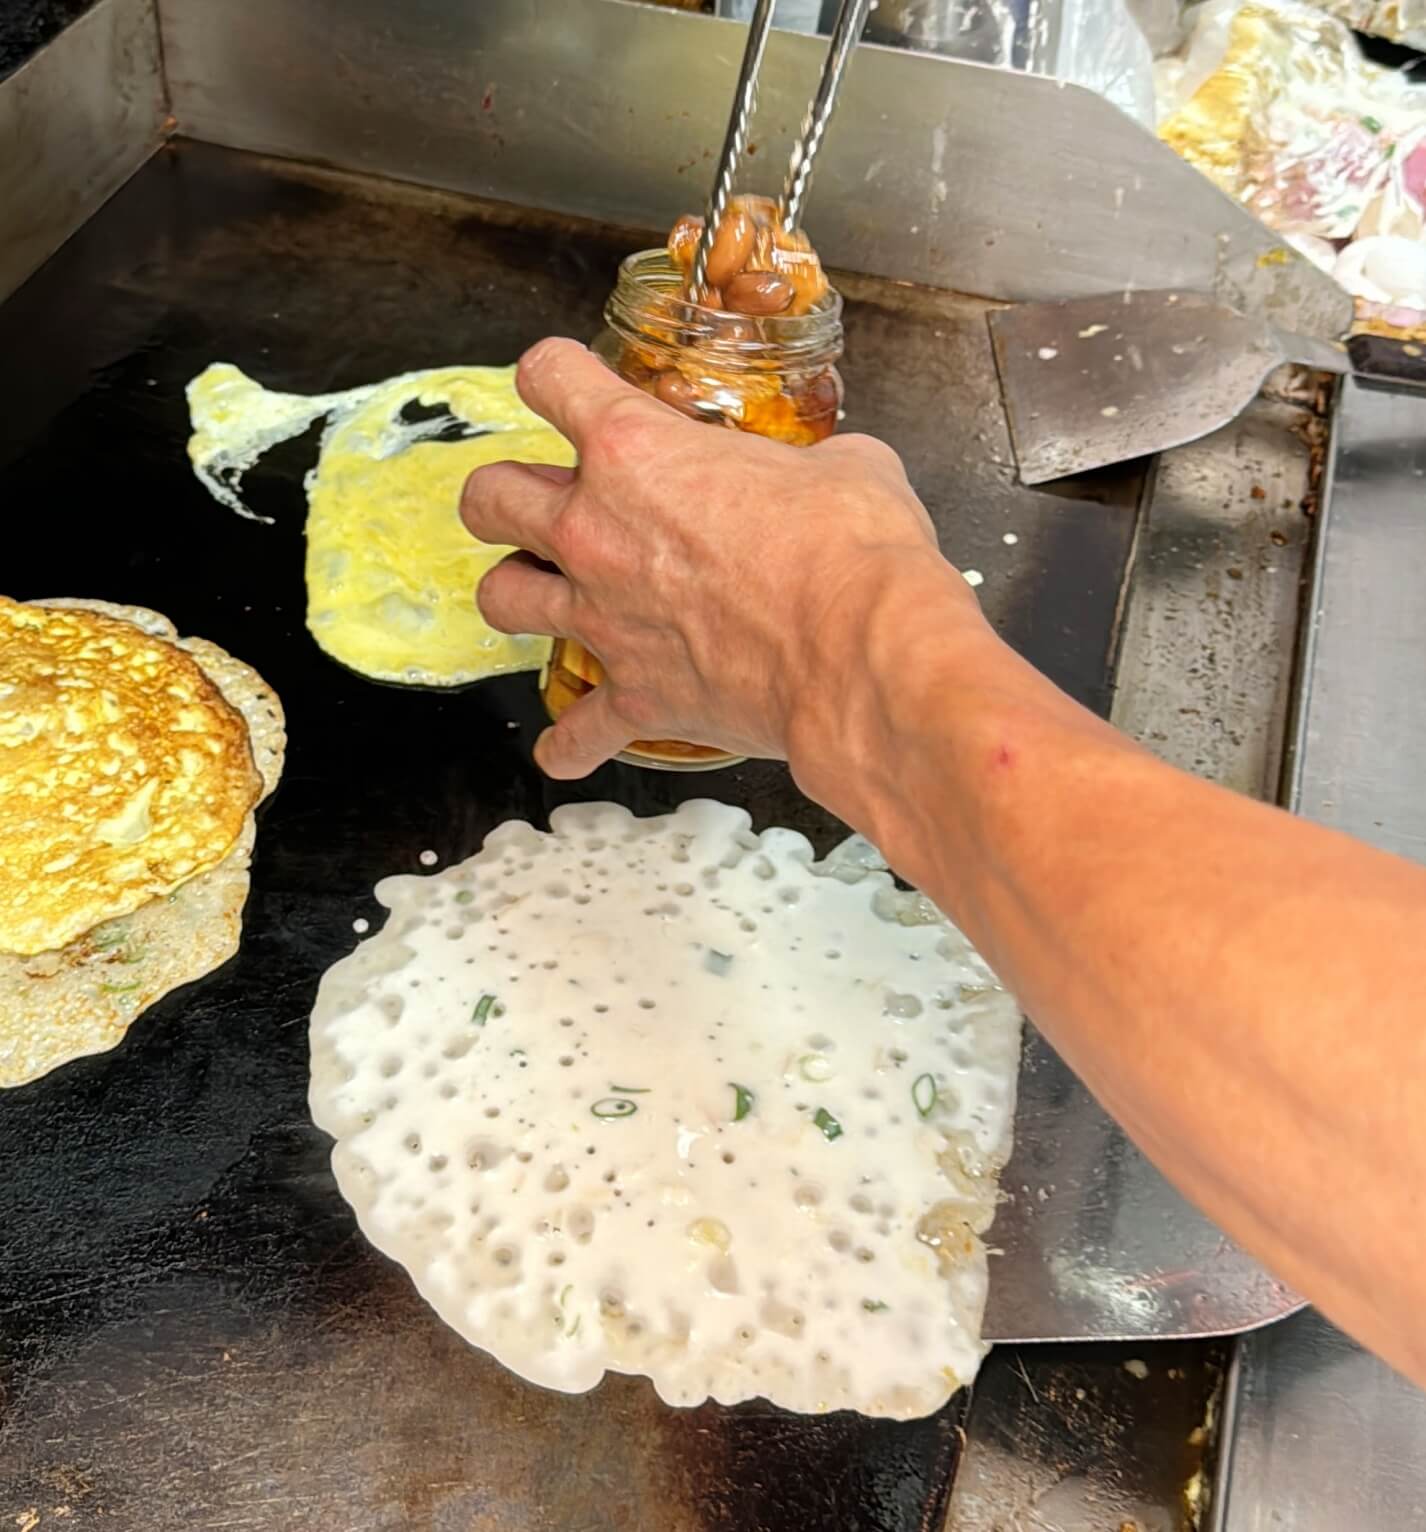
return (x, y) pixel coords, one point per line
(1103, 47)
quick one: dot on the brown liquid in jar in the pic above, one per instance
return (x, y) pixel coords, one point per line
(758, 353)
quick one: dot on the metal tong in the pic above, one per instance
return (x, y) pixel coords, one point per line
(851, 20)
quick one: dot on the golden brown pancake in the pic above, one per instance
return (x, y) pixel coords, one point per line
(123, 772)
(62, 1005)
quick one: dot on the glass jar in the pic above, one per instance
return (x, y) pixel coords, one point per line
(775, 376)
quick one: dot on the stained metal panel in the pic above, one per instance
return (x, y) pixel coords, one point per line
(1095, 1241)
(1089, 1438)
(1326, 1436)
(1361, 735)
(76, 121)
(936, 170)
(1206, 665)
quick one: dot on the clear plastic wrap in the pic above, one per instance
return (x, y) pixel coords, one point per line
(1274, 100)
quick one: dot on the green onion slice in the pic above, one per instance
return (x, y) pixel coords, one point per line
(632, 1090)
(923, 1094)
(743, 1100)
(829, 1125)
(875, 1305)
(482, 1009)
(614, 1106)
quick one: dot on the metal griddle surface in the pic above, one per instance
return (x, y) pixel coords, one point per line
(192, 1332)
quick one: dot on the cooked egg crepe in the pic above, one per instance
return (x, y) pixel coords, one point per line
(391, 570)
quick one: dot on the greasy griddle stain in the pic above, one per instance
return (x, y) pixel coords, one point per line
(190, 1322)
(355, 288)
(761, 1469)
(377, 1415)
(26, 26)
(1127, 1433)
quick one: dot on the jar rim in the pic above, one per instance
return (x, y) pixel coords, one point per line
(649, 294)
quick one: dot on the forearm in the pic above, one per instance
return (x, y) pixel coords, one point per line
(1243, 991)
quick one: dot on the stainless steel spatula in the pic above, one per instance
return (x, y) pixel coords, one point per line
(1100, 380)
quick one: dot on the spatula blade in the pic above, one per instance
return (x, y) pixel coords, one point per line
(1094, 381)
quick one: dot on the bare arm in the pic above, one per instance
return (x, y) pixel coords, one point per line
(1246, 993)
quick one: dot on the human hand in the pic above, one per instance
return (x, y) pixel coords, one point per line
(726, 583)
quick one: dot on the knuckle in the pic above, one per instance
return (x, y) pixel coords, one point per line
(637, 708)
(569, 733)
(574, 539)
(482, 489)
(583, 735)
(472, 495)
(871, 449)
(624, 432)
(594, 633)
(555, 611)
(490, 596)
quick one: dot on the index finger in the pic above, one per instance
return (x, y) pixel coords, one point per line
(515, 503)
(569, 386)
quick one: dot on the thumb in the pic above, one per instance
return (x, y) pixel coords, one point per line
(586, 736)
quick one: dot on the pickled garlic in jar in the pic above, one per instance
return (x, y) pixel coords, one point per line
(757, 265)
(755, 351)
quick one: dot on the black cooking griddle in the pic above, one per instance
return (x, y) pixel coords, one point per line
(193, 1334)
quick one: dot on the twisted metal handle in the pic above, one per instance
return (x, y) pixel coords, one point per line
(734, 142)
(846, 33)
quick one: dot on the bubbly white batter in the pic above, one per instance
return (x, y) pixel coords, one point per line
(662, 1096)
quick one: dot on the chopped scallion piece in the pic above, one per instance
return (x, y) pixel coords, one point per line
(875, 1305)
(631, 1090)
(1371, 124)
(743, 1100)
(119, 989)
(464, 896)
(829, 1125)
(923, 1094)
(614, 1106)
(482, 1009)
